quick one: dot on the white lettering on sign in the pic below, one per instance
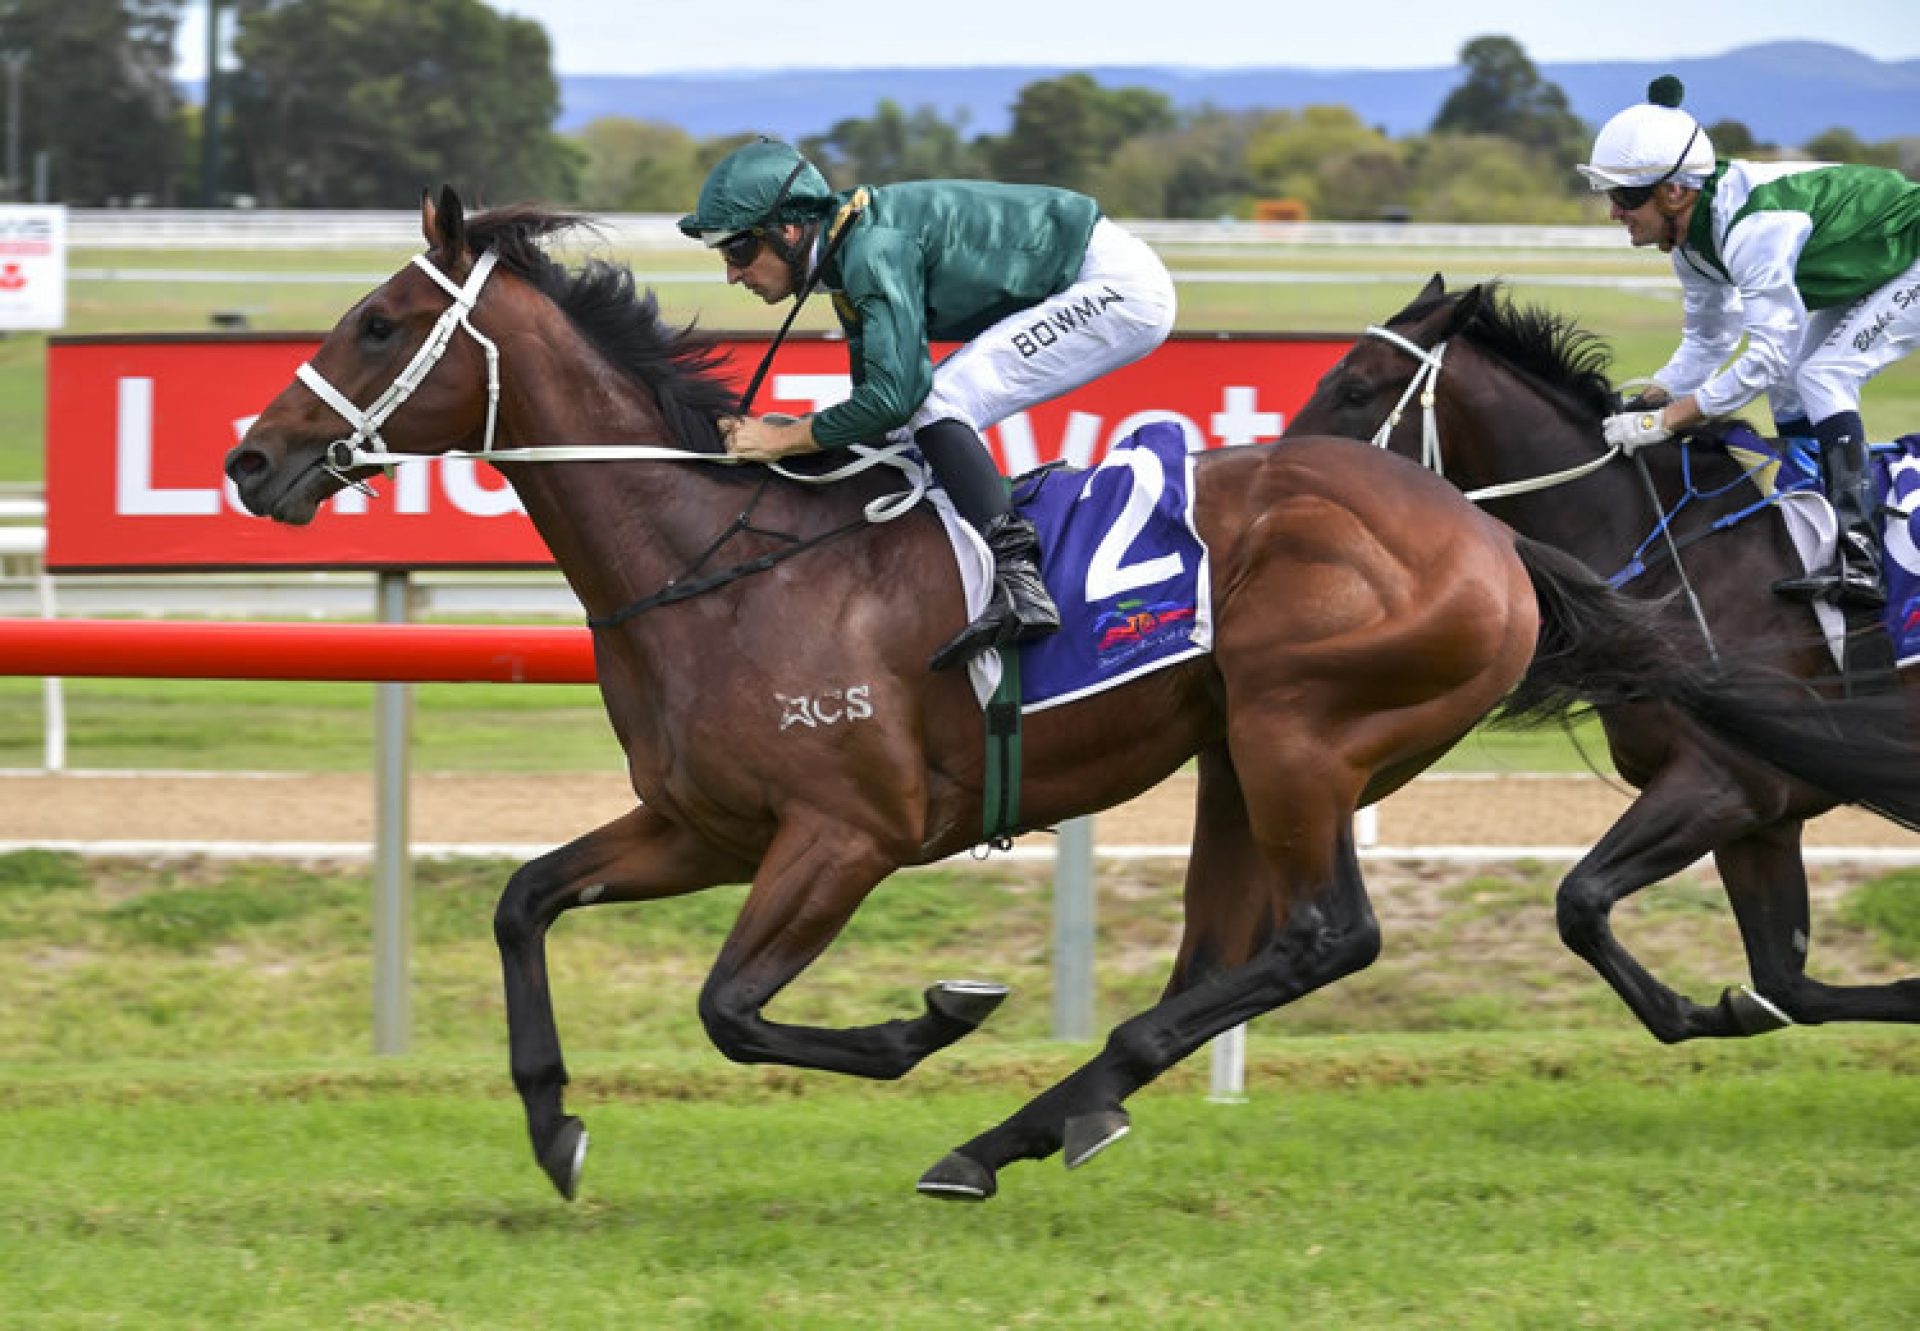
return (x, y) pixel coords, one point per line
(850, 704)
(134, 493)
(1021, 451)
(461, 476)
(1240, 420)
(410, 490)
(819, 391)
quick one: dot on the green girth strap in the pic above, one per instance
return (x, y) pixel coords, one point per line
(1000, 802)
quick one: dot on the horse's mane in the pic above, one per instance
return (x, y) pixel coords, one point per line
(1554, 352)
(1540, 343)
(679, 365)
(1563, 356)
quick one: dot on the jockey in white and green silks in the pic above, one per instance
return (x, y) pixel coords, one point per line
(1816, 265)
(1045, 293)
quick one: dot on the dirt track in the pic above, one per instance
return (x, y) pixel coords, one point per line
(551, 809)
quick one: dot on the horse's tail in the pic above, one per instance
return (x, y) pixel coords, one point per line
(1600, 647)
(1862, 750)
(1597, 646)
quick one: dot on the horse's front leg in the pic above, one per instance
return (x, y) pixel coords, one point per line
(816, 872)
(1687, 811)
(639, 856)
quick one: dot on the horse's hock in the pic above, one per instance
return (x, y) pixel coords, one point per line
(459, 809)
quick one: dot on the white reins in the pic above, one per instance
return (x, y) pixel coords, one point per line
(351, 451)
(1426, 382)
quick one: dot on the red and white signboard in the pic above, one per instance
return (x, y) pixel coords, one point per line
(33, 265)
(137, 429)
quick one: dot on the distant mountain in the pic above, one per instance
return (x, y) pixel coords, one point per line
(1784, 92)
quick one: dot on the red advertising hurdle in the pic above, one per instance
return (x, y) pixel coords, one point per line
(376, 653)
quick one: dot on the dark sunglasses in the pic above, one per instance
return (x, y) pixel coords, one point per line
(743, 249)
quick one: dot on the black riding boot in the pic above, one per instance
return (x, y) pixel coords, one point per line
(1018, 608)
(1853, 580)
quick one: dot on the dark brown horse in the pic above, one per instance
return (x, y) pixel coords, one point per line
(1366, 617)
(1517, 395)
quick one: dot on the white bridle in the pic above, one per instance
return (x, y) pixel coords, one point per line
(1426, 382)
(344, 454)
(350, 451)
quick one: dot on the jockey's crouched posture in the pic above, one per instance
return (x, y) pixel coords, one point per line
(1045, 293)
(1816, 265)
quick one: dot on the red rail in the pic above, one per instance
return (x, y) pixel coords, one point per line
(390, 653)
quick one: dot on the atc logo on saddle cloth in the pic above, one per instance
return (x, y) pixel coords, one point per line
(1124, 565)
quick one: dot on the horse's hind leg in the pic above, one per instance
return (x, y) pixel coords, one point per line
(1686, 811)
(639, 856)
(1766, 881)
(1230, 894)
(1310, 924)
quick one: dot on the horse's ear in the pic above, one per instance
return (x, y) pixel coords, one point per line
(443, 224)
(1466, 306)
(1431, 293)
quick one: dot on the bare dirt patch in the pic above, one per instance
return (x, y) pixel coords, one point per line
(549, 809)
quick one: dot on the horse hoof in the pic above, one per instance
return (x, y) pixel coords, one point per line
(969, 1002)
(1089, 1134)
(1753, 1014)
(565, 1156)
(958, 1178)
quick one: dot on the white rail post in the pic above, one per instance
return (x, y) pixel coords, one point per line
(1073, 931)
(53, 698)
(1228, 1082)
(392, 862)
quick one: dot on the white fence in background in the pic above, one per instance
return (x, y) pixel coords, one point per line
(181, 229)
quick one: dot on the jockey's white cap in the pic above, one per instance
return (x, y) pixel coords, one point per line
(1649, 143)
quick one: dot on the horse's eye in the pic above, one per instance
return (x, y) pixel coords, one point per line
(1354, 394)
(378, 328)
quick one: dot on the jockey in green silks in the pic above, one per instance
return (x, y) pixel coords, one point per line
(1816, 265)
(1045, 293)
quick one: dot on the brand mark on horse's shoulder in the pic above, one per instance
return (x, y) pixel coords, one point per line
(854, 703)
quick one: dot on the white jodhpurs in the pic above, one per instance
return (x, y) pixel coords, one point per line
(1119, 308)
(1846, 346)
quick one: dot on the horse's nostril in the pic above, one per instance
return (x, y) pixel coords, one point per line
(246, 462)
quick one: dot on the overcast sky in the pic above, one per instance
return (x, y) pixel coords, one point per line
(610, 37)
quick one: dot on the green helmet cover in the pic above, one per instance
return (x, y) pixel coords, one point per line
(744, 191)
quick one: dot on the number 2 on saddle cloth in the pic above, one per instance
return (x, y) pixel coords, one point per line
(1124, 564)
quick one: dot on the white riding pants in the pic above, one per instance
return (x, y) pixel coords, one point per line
(1119, 308)
(1845, 346)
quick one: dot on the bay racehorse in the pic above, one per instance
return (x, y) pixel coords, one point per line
(1506, 401)
(1366, 617)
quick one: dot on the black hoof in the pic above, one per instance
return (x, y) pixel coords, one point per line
(565, 1155)
(1752, 1014)
(967, 1001)
(1089, 1134)
(958, 1178)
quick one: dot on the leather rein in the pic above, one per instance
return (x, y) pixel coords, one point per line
(1426, 382)
(364, 446)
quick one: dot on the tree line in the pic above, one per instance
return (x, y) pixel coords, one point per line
(359, 103)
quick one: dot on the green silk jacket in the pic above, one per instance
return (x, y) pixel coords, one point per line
(938, 259)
